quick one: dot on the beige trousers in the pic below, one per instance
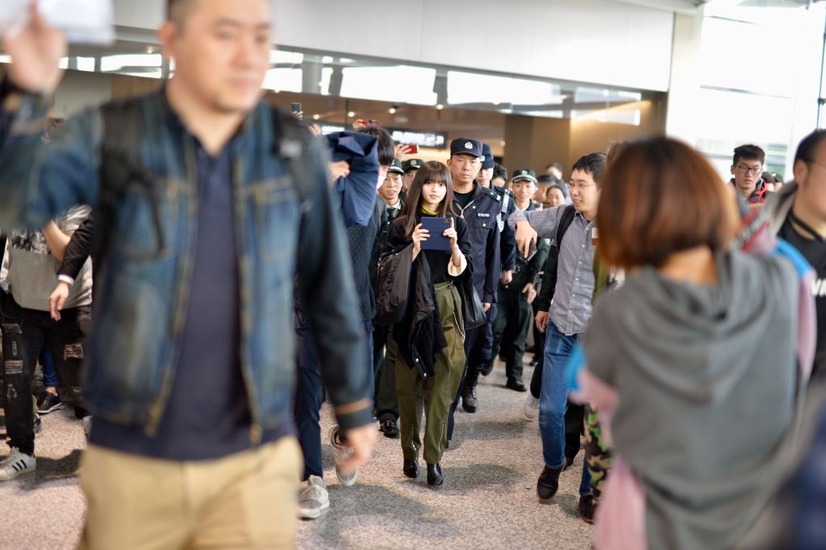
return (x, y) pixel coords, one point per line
(246, 500)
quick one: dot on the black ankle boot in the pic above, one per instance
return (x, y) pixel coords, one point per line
(411, 468)
(434, 475)
(548, 483)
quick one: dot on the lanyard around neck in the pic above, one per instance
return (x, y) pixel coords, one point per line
(807, 228)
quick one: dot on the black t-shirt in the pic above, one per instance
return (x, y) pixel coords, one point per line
(463, 198)
(814, 251)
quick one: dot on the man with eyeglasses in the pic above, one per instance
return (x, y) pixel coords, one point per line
(570, 311)
(798, 215)
(747, 167)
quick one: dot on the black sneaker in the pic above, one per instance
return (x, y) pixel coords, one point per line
(469, 399)
(586, 508)
(516, 385)
(49, 403)
(548, 483)
(389, 429)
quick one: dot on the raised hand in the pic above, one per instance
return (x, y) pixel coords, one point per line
(35, 49)
(450, 233)
(420, 235)
(525, 238)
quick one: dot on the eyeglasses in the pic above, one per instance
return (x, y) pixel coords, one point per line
(753, 170)
(575, 185)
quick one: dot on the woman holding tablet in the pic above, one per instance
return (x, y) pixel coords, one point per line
(430, 336)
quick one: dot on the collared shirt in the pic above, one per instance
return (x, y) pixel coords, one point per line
(394, 210)
(571, 306)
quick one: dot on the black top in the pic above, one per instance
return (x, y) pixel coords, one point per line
(362, 241)
(463, 198)
(814, 250)
(437, 259)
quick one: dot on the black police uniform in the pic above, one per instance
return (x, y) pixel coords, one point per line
(481, 215)
(515, 314)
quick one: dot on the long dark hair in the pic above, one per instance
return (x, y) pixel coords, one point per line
(431, 171)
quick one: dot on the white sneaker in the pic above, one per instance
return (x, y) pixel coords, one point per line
(87, 425)
(342, 453)
(531, 409)
(16, 464)
(313, 498)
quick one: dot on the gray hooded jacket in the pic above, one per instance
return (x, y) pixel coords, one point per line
(709, 388)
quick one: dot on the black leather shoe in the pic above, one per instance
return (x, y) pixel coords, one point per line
(487, 369)
(434, 475)
(548, 483)
(469, 400)
(411, 468)
(389, 429)
(586, 508)
(516, 385)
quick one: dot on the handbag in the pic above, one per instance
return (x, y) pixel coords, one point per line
(473, 315)
(393, 286)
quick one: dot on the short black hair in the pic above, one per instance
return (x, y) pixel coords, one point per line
(499, 171)
(387, 149)
(806, 149)
(750, 152)
(592, 163)
(177, 9)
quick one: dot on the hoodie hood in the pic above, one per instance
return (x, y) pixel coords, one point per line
(705, 335)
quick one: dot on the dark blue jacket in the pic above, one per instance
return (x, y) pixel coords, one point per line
(481, 216)
(507, 244)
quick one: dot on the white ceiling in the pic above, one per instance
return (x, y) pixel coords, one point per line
(690, 6)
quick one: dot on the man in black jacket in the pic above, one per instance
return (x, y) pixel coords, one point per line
(480, 208)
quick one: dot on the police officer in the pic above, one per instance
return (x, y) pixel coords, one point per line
(514, 314)
(409, 169)
(507, 245)
(384, 347)
(480, 208)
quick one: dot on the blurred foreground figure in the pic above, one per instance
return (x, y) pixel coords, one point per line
(204, 196)
(698, 364)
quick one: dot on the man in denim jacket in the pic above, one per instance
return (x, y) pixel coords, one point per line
(189, 366)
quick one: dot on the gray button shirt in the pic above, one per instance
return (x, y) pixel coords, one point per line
(571, 306)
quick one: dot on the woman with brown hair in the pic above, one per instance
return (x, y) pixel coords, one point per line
(692, 364)
(430, 336)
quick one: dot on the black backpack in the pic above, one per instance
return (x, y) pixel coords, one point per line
(549, 275)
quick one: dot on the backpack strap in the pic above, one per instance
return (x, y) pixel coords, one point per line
(549, 270)
(565, 222)
(292, 142)
(122, 125)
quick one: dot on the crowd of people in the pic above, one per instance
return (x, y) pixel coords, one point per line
(244, 267)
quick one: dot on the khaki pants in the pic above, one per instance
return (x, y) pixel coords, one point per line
(438, 391)
(247, 500)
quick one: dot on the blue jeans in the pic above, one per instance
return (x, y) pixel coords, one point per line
(553, 401)
(309, 391)
(50, 379)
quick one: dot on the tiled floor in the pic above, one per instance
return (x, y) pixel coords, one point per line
(488, 500)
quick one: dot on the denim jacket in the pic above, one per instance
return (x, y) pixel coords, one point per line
(141, 292)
